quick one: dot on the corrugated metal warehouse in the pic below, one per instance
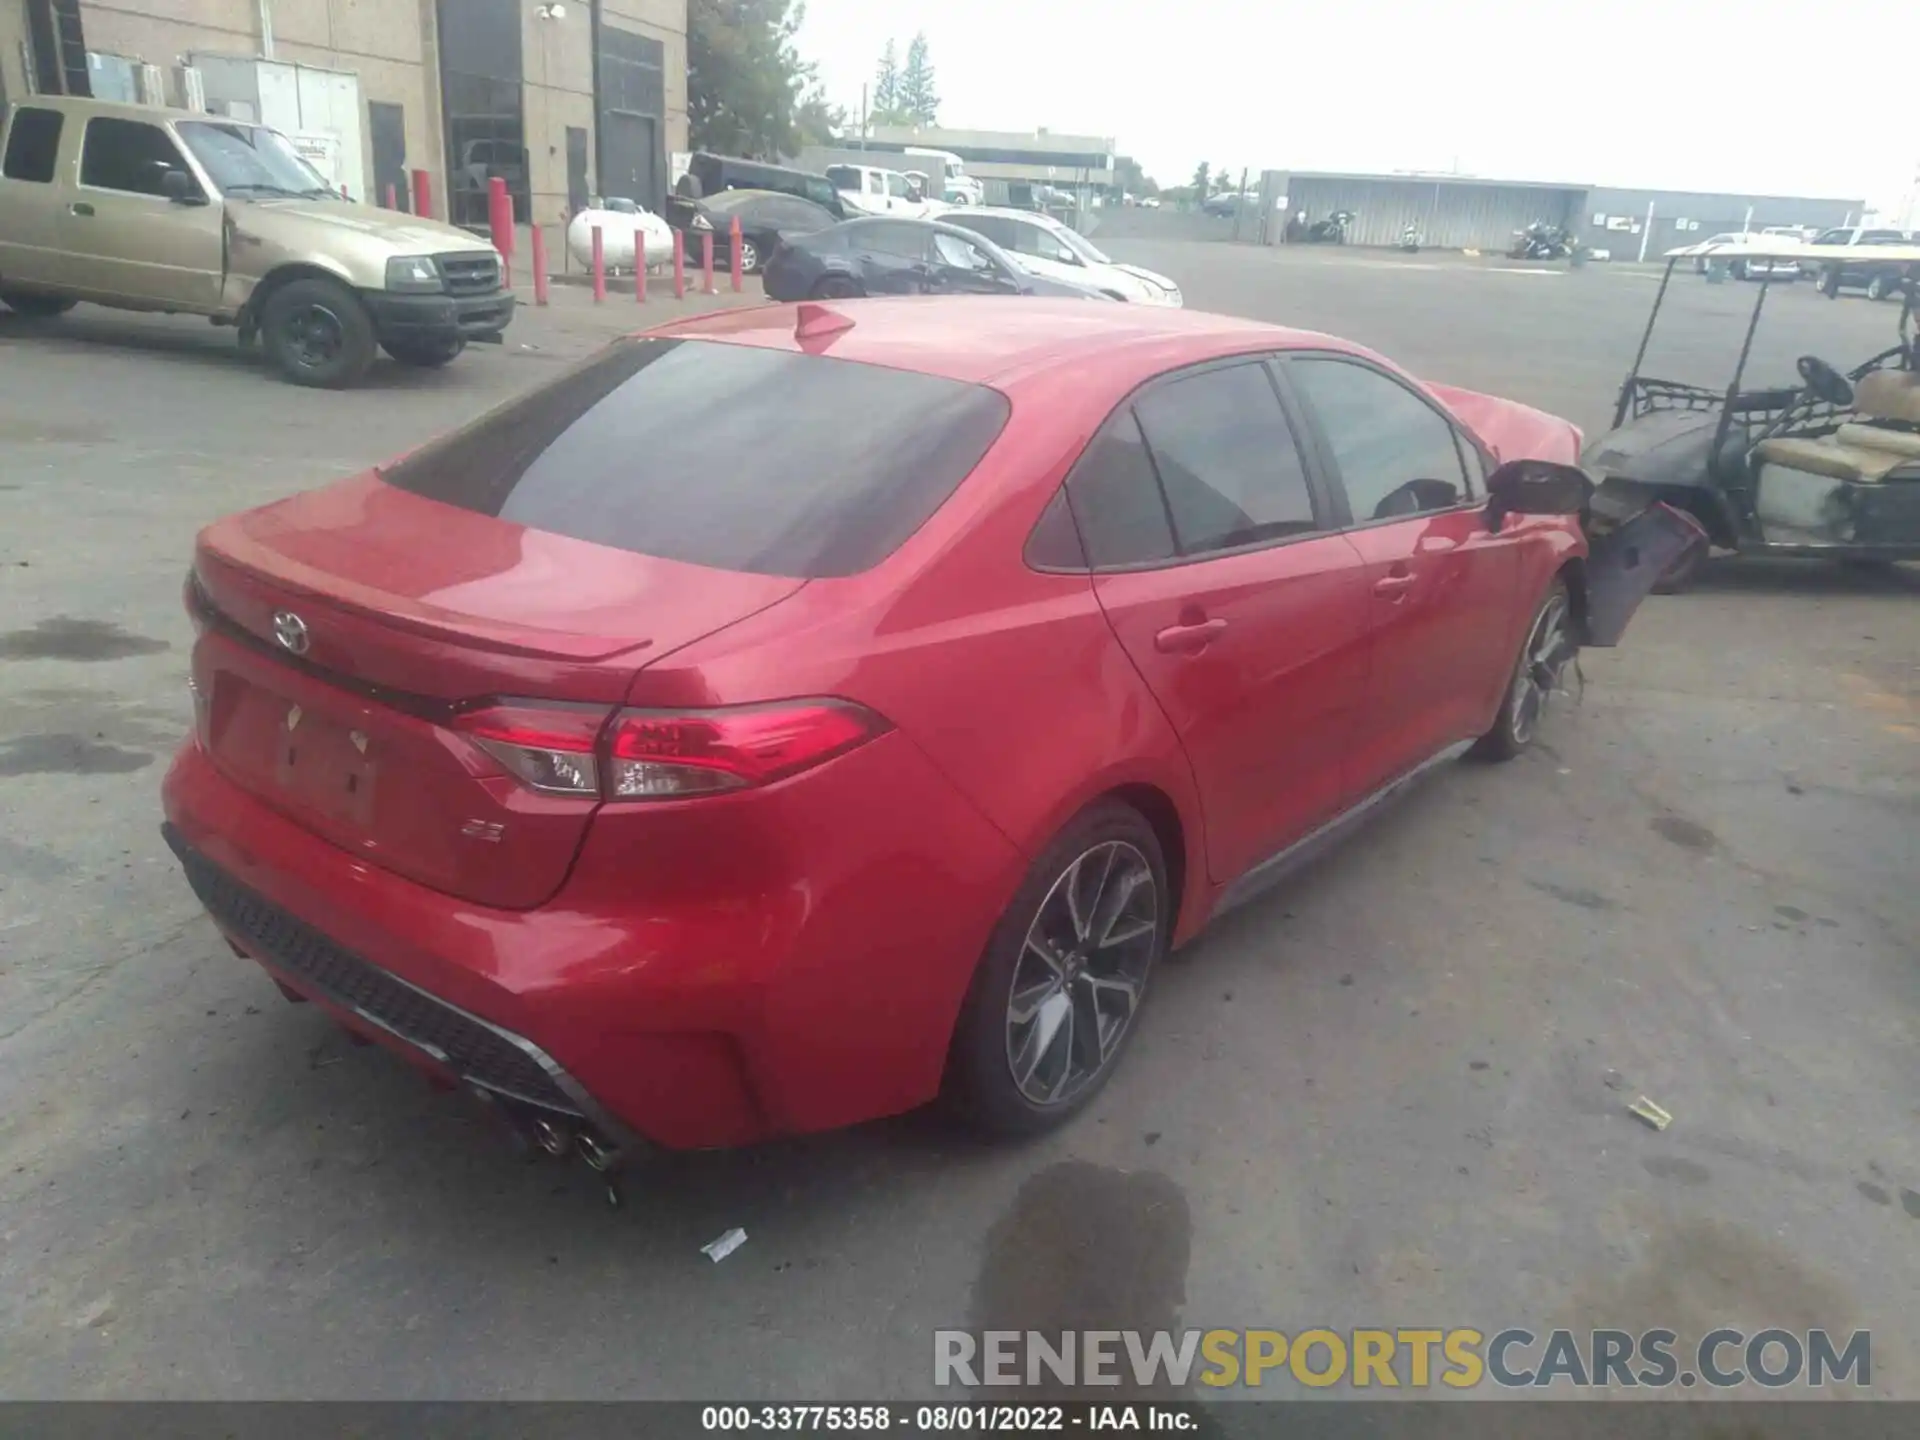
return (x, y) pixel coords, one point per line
(1457, 212)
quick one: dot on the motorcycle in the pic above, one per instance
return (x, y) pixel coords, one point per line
(1332, 230)
(1410, 239)
(1541, 241)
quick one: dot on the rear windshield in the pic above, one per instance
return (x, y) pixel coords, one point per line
(720, 455)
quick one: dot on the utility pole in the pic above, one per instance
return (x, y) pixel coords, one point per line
(863, 119)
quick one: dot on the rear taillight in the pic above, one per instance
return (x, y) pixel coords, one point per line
(665, 754)
(660, 754)
(549, 748)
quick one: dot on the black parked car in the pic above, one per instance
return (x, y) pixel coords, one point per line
(768, 220)
(1881, 281)
(902, 257)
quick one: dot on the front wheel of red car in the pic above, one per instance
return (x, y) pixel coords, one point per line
(1053, 1002)
(1538, 674)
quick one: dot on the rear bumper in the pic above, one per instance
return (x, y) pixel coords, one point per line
(683, 988)
(440, 317)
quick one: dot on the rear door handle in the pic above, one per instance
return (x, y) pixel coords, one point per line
(1395, 583)
(1188, 639)
(81, 207)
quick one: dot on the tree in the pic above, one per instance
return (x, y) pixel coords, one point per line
(748, 90)
(1202, 176)
(917, 96)
(886, 87)
(1130, 179)
(1222, 179)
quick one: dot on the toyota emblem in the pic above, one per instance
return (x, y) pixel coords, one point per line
(290, 631)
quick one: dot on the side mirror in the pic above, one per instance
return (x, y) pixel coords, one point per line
(179, 187)
(1536, 487)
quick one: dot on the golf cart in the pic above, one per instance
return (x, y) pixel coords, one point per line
(1827, 468)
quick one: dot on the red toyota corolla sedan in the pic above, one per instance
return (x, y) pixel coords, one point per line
(796, 714)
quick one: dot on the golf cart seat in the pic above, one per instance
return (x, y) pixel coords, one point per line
(1862, 453)
(1836, 458)
(1888, 395)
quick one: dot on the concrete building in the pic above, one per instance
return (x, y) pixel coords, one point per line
(1463, 211)
(563, 100)
(1009, 164)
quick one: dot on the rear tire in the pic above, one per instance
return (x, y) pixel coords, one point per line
(318, 333)
(1015, 1073)
(835, 287)
(749, 258)
(1830, 283)
(35, 307)
(1536, 674)
(1877, 288)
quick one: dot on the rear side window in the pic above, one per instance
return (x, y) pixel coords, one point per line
(720, 455)
(1228, 464)
(33, 145)
(908, 242)
(1116, 499)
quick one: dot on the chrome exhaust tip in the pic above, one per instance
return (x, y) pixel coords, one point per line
(551, 1138)
(600, 1156)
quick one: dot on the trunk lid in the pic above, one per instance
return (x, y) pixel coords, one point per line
(345, 630)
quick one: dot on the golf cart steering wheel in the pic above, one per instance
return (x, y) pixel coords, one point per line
(1824, 381)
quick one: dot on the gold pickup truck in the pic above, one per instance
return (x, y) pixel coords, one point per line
(148, 209)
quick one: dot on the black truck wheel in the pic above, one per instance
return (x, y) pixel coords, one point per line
(318, 333)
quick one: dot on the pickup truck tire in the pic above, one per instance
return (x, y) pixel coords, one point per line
(426, 354)
(35, 307)
(318, 333)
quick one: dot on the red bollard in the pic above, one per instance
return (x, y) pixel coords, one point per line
(733, 242)
(539, 267)
(500, 213)
(343, 193)
(422, 194)
(599, 268)
(639, 267)
(706, 259)
(393, 199)
(679, 266)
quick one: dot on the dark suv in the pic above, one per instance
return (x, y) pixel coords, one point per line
(1878, 280)
(718, 173)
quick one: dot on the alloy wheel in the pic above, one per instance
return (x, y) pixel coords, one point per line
(749, 258)
(1543, 663)
(1081, 972)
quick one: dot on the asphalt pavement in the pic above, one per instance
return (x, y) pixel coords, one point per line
(1393, 1093)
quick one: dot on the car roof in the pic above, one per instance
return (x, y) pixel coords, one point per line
(998, 341)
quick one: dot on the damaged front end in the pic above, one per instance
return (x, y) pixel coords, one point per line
(1626, 558)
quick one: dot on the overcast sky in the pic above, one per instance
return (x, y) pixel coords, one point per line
(1705, 94)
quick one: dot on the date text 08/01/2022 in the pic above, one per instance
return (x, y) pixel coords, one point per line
(939, 1419)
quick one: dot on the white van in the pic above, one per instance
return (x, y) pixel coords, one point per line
(873, 191)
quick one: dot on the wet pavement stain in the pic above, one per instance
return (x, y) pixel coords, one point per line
(1876, 1193)
(1910, 1202)
(1677, 1167)
(1082, 1248)
(1687, 834)
(1790, 912)
(64, 638)
(67, 755)
(1573, 895)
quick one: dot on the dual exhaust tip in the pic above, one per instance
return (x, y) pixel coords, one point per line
(557, 1140)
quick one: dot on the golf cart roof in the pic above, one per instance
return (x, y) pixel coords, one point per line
(1780, 247)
